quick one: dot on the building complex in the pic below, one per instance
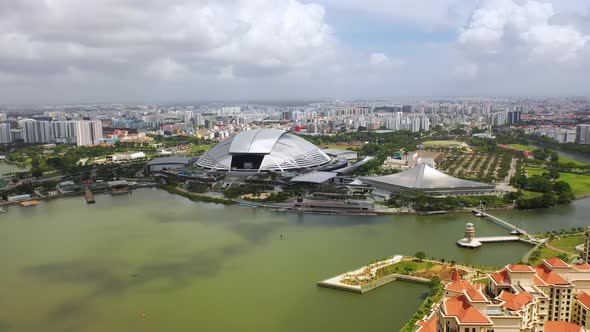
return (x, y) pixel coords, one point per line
(551, 297)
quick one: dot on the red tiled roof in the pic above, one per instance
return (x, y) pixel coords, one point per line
(475, 295)
(550, 277)
(538, 281)
(555, 262)
(520, 268)
(460, 307)
(515, 302)
(459, 286)
(427, 325)
(584, 266)
(553, 326)
(501, 277)
(584, 298)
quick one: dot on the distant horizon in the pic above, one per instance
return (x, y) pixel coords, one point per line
(281, 101)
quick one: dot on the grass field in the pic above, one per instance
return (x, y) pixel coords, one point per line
(545, 254)
(522, 147)
(580, 183)
(568, 243)
(443, 143)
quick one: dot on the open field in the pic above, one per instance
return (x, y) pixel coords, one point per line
(580, 183)
(568, 243)
(443, 143)
(522, 147)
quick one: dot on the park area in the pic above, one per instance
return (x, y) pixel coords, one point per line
(562, 159)
(580, 183)
(477, 166)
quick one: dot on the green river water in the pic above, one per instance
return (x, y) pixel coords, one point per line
(188, 266)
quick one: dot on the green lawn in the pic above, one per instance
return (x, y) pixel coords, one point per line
(546, 253)
(522, 147)
(580, 183)
(566, 160)
(568, 243)
(531, 171)
(531, 194)
(443, 143)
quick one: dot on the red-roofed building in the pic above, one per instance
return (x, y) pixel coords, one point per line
(558, 326)
(429, 324)
(553, 296)
(581, 310)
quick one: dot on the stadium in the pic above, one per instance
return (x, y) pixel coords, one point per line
(263, 150)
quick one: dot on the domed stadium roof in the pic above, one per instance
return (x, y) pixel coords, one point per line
(263, 150)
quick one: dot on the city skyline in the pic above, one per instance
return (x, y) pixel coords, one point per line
(60, 52)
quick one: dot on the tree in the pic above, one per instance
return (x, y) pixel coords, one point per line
(421, 255)
(434, 285)
(521, 181)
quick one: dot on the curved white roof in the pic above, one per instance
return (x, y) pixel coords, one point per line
(277, 150)
(425, 177)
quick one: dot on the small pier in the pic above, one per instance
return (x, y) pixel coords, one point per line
(89, 195)
(477, 242)
(363, 280)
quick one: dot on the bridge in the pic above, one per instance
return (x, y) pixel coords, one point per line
(501, 222)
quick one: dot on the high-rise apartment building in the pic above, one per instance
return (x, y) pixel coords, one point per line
(37, 131)
(88, 132)
(5, 134)
(583, 134)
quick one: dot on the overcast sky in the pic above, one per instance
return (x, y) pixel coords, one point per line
(68, 51)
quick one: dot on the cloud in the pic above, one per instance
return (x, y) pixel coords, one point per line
(501, 27)
(380, 60)
(466, 71)
(161, 38)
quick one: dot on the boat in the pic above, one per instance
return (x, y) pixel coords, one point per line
(2, 210)
(479, 214)
(29, 203)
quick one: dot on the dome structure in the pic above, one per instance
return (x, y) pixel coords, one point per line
(263, 150)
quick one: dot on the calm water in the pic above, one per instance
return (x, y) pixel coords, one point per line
(68, 266)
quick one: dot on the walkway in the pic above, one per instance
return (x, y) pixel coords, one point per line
(503, 223)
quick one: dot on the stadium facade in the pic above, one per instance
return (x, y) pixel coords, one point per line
(262, 150)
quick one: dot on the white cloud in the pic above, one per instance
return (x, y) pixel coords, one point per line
(383, 61)
(507, 27)
(165, 69)
(110, 34)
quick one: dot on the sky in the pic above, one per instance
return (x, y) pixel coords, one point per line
(144, 51)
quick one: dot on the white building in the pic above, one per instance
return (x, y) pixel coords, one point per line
(37, 131)
(88, 132)
(583, 134)
(5, 134)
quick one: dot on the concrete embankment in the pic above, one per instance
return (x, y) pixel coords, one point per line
(361, 289)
